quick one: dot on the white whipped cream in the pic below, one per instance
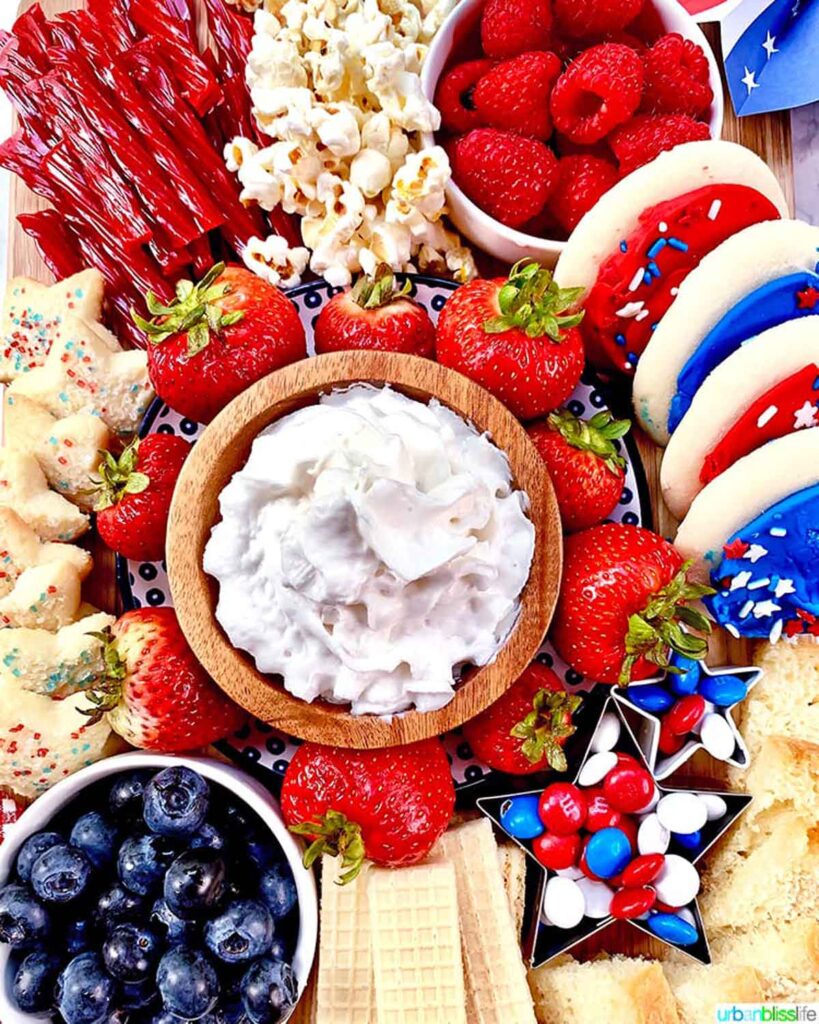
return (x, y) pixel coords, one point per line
(371, 546)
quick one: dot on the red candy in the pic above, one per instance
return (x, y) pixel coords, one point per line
(623, 759)
(600, 812)
(562, 808)
(583, 864)
(643, 870)
(556, 852)
(685, 715)
(629, 826)
(628, 787)
(630, 903)
(669, 743)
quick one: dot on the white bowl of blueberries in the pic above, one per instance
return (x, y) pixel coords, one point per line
(148, 889)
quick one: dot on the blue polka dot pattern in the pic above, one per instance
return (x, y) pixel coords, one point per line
(146, 583)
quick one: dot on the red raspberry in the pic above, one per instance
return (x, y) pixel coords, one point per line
(644, 137)
(581, 181)
(514, 95)
(508, 176)
(510, 27)
(454, 96)
(677, 77)
(580, 18)
(599, 90)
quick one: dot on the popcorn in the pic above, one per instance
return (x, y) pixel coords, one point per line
(335, 85)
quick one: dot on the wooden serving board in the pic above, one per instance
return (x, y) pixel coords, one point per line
(767, 135)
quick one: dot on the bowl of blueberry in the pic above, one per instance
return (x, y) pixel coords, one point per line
(154, 890)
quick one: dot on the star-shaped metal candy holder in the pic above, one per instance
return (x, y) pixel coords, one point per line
(648, 705)
(545, 940)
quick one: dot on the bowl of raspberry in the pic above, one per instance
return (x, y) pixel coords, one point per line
(150, 887)
(546, 104)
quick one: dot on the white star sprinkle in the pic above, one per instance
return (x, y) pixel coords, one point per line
(784, 587)
(755, 552)
(768, 45)
(805, 416)
(741, 580)
(749, 81)
(764, 609)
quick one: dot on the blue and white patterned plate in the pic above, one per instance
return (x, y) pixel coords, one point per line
(146, 583)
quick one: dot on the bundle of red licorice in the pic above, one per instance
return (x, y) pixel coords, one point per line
(123, 120)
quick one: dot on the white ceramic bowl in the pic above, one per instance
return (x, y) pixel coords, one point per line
(481, 229)
(37, 817)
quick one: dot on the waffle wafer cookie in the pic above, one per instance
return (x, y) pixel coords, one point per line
(344, 990)
(417, 966)
(496, 988)
(512, 862)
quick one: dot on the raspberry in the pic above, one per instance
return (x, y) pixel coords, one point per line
(582, 179)
(514, 95)
(580, 18)
(508, 176)
(644, 137)
(510, 27)
(454, 96)
(599, 90)
(677, 77)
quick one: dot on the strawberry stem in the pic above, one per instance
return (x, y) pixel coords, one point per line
(119, 476)
(659, 627)
(335, 835)
(596, 435)
(549, 722)
(380, 290)
(532, 302)
(106, 693)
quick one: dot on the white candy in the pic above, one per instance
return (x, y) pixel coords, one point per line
(597, 896)
(572, 872)
(606, 734)
(652, 835)
(678, 883)
(717, 737)
(596, 768)
(715, 806)
(563, 902)
(683, 813)
(652, 803)
(687, 916)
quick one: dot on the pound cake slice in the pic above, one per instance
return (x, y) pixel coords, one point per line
(786, 955)
(699, 989)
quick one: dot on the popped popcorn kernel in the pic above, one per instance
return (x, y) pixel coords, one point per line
(273, 259)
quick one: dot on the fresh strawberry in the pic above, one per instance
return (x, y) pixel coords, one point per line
(375, 314)
(623, 601)
(510, 27)
(455, 96)
(508, 176)
(134, 496)
(514, 95)
(217, 338)
(526, 729)
(518, 338)
(155, 694)
(388, 805)
(586, 470)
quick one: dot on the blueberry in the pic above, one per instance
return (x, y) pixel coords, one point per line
(125, 798)
(31, 850)
(277, 889)
(23, 921)
(261, 853)
(33, 988)
(78, 936)
(243, 932)
(175, 930)
(116, 904)
(195, 883)
(85, 993)
(269, 990)
(280, 948)
(143, 861)
(231, 1011)
(208, 837)
(131, 951)
(176, 802)
(234, 819)
(61, 874)
(97, 837)
(138, 995)
(187, 983)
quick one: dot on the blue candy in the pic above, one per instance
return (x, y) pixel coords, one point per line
(652, 697)
(520, 818)
(689, 840)
(687, 681)
(671, 928)
(723, 690)
(608, 852)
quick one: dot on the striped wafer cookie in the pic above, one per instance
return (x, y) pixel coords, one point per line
(512, 862)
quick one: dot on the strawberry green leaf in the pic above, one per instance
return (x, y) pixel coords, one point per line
(531, 302)
(333, 834)
(117, 477)
(596, 435)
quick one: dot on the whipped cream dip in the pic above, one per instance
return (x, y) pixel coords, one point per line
(371, 547)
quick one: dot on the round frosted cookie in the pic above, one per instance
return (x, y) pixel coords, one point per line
(680, 170)
(750, 282)
(767, 388)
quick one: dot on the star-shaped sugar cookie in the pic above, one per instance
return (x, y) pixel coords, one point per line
(82, 374)
(24, 488)
(34, 314)
(44, 597)
(21, 549)
(68, 450)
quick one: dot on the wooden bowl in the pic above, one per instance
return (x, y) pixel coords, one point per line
(223, 448)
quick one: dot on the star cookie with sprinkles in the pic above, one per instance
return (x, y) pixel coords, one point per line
(67, 450)
(81, 374)
(24, 488)
(44, 597)
(34, 315)
(21, 549)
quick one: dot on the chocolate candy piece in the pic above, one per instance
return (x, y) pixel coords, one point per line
(627, 904)
(671, 928)
(608, 852)
(520, 818)
(651, 697)
(723, 690)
